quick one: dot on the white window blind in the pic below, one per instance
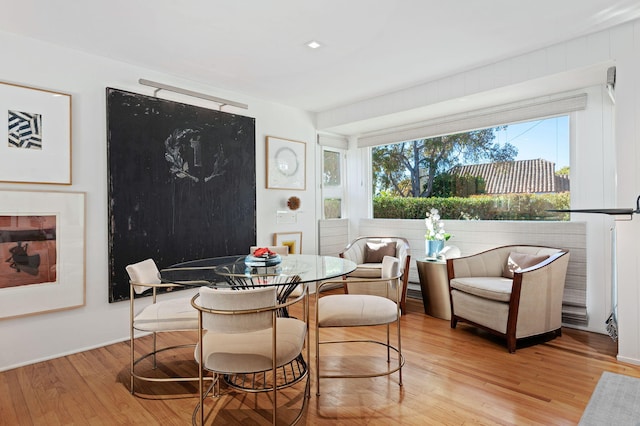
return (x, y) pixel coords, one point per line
(333, 141)
(545, 106)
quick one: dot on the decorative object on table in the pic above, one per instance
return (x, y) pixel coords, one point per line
(38, 144)
(177, 177)
(293, 203)
(293, 240)
(41, 252)
(436, 235)
(285, 164)
(262, 256)
(281, 250)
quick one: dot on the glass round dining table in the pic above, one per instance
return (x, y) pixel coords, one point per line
(292, 274)
(233, 271)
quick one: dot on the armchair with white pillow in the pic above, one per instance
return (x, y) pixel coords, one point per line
(512, 291)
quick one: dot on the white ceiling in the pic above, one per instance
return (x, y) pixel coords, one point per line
(257, 47)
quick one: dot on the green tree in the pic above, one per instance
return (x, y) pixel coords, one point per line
(408, 169)
(452, 185)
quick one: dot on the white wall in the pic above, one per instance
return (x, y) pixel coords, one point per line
(604, 151)
(36, 64)
(625, 48)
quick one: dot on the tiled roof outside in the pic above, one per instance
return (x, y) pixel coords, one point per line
(517, 177)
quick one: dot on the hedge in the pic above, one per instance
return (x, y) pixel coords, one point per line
(482, 207)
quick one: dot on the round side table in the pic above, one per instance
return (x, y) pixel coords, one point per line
(434, 285)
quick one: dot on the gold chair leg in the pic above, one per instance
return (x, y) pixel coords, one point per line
(131, 341)
(388, 348)
(399, 353)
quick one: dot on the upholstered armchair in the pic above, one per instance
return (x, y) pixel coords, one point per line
(371, 302)
(511, 291)
(368, 252)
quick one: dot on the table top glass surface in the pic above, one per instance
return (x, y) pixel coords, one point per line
(219, 270)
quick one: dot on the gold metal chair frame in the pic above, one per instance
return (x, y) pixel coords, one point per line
(258, 380)
(155, 351)
(397, 349)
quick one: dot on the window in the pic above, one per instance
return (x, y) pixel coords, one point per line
(332, 183)
(513, 172)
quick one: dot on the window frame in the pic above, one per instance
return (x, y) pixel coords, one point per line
(339, 191)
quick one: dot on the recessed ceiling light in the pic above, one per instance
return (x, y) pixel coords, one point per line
(313, 44)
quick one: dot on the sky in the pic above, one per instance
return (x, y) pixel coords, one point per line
(547, 139)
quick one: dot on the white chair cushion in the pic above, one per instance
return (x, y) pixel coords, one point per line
(493, 288)
(367, 270)
(167, 315)
(390, 268)
(237, 300)
(252, 352)
(345, 310)
(145, 272)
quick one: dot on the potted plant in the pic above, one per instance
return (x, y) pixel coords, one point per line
(436, 235)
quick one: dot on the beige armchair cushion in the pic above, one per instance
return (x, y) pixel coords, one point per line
(486, 287)
(367, 270)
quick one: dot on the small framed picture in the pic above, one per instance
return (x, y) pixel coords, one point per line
(293, 240)
(286, 164)
(35, 135)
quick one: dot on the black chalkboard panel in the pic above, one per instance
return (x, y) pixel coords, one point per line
(182, 183)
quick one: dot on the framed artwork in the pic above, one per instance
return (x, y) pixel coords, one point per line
(286, 164)
(42, 254)
(35, 135)
(293, 240)
(182, 183)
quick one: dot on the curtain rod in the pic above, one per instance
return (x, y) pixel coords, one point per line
(161, 86)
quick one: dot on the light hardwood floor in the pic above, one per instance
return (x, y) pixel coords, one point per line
(451, 377)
